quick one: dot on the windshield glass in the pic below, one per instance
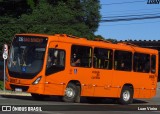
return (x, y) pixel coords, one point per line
(26, 55)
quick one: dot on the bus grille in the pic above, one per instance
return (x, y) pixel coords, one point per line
(24, 88)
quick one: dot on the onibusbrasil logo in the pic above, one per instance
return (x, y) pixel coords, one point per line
(21, 108)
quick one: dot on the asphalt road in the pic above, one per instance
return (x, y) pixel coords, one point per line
(53, 105)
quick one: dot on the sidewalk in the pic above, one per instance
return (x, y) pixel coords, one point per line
(7, 92)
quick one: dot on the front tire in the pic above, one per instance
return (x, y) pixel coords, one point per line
(72, 93)
(126, 96)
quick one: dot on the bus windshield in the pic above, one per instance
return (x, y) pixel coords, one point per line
(26, 55)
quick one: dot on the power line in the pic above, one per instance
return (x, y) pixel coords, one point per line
(120, 11)
(130, 19)
(124, 2)
(155, 14)
(129, 13)
(132, 23)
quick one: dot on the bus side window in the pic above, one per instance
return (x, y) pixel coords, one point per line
(102, 58)
(141, 62)
(81, 56)
(153, 64)
(123, 60)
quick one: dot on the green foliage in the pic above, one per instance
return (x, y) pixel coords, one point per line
(112, 40)
(31, 3)
(1, 85)
(99, 36)
(90, 8)
(75, 17)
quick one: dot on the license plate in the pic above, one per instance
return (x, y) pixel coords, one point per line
(18, 89)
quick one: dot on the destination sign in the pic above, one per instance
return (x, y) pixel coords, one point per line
(29, 39)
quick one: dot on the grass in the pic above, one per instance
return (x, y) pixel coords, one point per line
(1, 85)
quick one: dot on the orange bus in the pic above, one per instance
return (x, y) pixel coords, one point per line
(72, 67)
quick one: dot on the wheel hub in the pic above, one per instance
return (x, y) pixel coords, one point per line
(70, 92)
(126, 96)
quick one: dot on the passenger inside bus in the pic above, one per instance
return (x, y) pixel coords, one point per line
(49, 61)
(81, 56)
(52, 58)
(122, 67)
(147, 65)
(75, 60)
(55, 57)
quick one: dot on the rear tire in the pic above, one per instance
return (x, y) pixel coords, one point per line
(126, 96)
(72, 93)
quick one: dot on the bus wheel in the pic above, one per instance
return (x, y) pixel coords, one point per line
(126, 96)
(72, 93)
(38, 97)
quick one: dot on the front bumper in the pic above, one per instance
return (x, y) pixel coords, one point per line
(39, 88)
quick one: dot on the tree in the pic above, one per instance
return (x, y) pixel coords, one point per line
(90, 8)
(74, 17)
(100, 37)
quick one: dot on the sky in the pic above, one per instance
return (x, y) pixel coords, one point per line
(148, 29)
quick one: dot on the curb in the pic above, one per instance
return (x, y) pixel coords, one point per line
(14, 93)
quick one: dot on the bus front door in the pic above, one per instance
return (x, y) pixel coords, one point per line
(55, 69)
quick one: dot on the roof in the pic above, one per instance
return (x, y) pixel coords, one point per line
(32, 34)
(128, 46)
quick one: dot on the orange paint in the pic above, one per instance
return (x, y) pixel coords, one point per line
(93, 81)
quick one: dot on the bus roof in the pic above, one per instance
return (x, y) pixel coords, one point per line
(31, 34)
(101, 44)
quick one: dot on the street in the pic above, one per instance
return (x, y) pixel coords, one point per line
(53, 105)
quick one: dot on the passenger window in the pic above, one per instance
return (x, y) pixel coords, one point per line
(81, 56)
(153, 64)
(102, 58)
(123, 60)
(141, 62)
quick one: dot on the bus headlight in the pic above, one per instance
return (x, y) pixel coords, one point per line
(37, 80)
